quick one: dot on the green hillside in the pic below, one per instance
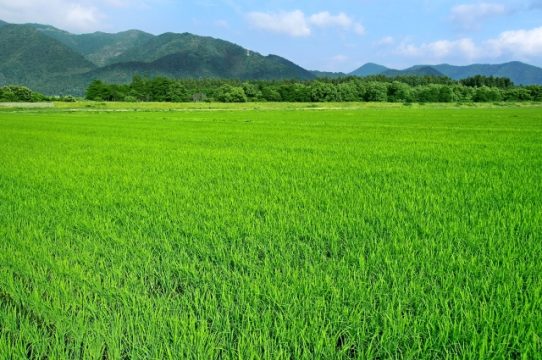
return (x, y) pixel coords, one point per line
(187, 55)
(28, 57)
(171, 43)
(57, 62)
(190, 65)
(98, 47)
(191, 56)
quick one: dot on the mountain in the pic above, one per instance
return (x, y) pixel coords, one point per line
(187, 55)
(31, 58)
(520, 73)
(418, 70)
(369, 69)
(56, 62)
(99, 47)
(194, 65)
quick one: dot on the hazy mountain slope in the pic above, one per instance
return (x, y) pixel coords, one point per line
(30, 58)
(518, 72)
(414, 71)
(369, 69)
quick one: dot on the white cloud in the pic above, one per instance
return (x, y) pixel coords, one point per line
(386, 41)
(70, 15)
(441, 49)
(141, 4)
(118, 3)
(296, 23)
(520, 43)
(340, 58)
(469, 16)
(325, 19)
(292, 23)
(224, 24)
(523, 44)
(359, 29)
(82, 17)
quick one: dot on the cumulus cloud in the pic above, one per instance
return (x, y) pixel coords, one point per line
(441, 49)
(340, 58)
(325, 19)
(72, 15)
(469, 16)
(296, 23)
(386, 41)
(359, 29)
(292, 23)
(224, 24)
(521, 43)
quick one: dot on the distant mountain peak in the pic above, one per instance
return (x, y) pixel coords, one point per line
(517, 71)
(416, 70)
(369, 69)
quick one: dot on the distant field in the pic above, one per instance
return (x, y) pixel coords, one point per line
(26, 105)
(262, 231)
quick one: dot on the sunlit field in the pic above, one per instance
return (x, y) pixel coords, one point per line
(275, 231)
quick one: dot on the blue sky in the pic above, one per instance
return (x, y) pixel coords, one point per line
(338, 35)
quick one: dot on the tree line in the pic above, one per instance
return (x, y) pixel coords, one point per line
(374, 88)
(18, 93)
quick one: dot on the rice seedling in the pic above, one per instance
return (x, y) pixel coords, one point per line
(362, 232)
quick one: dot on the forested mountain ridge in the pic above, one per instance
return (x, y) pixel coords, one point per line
(98, 47)
(30, 58)
(188, 55)
(520, 73)
(56, 62)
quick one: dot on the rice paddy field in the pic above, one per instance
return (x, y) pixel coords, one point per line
(271, 232)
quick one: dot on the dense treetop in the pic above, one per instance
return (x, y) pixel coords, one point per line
(375, 88)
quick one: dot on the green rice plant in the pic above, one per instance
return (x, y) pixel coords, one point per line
(267, 231)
